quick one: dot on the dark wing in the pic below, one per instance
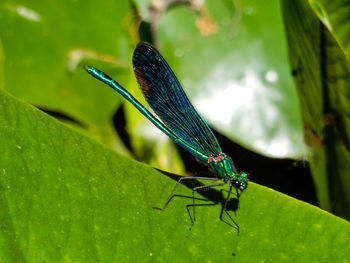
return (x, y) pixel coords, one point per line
(168, 100)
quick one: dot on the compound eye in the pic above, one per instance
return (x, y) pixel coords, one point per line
(237, 184)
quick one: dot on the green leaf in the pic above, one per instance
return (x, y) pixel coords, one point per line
(56, 39)
(231, 59)
(2, 73)
(322, 75)
(66, 198)
(46, 44)
(335, 15)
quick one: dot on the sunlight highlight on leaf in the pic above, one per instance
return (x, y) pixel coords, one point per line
(25, 12)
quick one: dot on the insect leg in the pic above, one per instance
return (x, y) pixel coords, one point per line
(178, 182)
(225, 209)
(203, 187)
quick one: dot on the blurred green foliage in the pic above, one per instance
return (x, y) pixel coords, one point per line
(231, 60)
(322, 74)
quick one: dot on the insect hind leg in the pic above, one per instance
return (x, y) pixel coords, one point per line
(177, 184)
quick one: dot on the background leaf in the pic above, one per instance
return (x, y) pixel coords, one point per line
(335, 15)
(47, 43)
(262, 109)
(232, 62)
(325, 99)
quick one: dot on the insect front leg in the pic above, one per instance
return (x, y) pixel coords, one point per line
(224, 209)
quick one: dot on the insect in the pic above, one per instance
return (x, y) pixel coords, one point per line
(178, 119)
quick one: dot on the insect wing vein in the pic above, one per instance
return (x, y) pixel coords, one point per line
(168, 100)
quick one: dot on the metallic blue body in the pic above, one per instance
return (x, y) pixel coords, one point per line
(178, 118)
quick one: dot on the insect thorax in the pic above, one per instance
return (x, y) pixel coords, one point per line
(222, 166)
